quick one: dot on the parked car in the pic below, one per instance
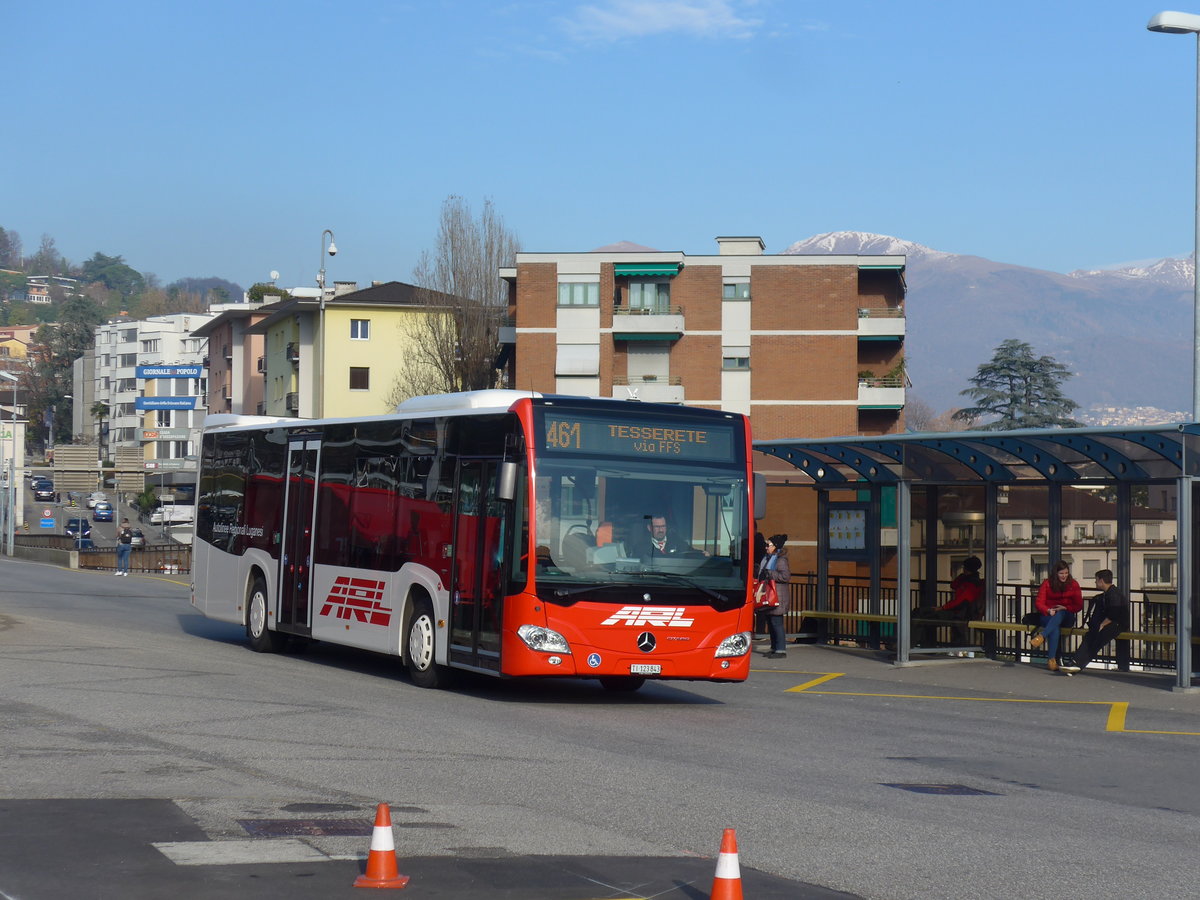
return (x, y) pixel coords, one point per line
(103, 511)
(78, 528)
(96, 497)
(137, 539)
(43, 490)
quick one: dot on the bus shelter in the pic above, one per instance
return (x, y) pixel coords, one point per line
(904, 510)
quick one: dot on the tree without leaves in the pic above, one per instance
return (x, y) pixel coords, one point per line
(47, 261)
(1020, 390)
(919, 417)
(55, 349)
(453, 346)
(10, 249)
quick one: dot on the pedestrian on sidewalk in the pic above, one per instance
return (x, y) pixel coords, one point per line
(1108, 616)
(124, 547)
(774, 567)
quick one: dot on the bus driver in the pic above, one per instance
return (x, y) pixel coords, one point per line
(659, 541)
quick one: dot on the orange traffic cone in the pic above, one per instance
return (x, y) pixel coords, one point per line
(727, 883)
(381, 861)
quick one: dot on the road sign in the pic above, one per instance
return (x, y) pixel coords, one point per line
(47, 523)
(47, 513)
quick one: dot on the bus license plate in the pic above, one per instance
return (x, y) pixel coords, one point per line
(645, 669)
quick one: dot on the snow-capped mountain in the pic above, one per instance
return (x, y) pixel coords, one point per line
(1126, 333)
(835, 242)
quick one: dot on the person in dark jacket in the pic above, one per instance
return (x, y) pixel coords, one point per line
(774, 567)
(1108, 616)
(659, 541)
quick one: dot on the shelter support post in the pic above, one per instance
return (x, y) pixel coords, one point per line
(1186, 567)
(903, 571)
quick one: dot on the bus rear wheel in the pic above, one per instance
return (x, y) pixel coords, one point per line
(623, 683)
(262, 639)
(422, 645)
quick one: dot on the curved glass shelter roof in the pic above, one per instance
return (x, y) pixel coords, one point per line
(1048, 456)
(1031, 454)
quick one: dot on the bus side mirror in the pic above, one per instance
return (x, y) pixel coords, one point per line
(506, 482)
(760, 496)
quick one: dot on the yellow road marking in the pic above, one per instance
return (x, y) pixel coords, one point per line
(1117, 710)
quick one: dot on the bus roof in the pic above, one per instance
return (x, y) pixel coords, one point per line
(500, 400)
(454, 404)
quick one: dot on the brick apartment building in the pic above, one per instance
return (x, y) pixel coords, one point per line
(806, 346)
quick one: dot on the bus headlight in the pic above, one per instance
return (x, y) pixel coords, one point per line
(544, 640)
(735, 645)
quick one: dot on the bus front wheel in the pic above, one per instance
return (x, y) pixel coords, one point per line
(422, 641)
(262, 639)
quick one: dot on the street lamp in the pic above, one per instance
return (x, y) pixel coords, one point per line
(332, 251)
(1187, 23)
(9, 505)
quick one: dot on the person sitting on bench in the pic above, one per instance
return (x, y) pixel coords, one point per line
(962, 606)
(1108, 616)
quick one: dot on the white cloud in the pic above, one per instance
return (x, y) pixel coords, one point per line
(614, 20)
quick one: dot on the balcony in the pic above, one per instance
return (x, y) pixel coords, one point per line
(881, 323)
(292, 402)
(293, 353)
(655, 323)
(262, 364)
(649, 388)
(508, 330)
(885, 392)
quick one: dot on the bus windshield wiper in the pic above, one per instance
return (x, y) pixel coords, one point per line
(583, 589)
(709, 592)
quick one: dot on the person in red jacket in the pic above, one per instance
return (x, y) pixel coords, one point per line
(1058, 600)
(965, 603)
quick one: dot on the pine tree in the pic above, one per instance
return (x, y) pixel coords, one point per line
(1019, 390)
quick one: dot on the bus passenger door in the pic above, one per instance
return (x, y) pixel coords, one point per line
(477, 591)
(296, 542)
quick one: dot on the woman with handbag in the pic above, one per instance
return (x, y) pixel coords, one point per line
(774, 576)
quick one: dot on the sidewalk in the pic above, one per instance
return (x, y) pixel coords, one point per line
(983, 675)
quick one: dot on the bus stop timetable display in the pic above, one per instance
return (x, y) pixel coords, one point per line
(586, 434)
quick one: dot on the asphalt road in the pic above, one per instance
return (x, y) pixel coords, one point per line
(148, 753)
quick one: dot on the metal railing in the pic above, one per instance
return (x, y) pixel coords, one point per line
(664, 310)
(881, 312)
(154, 559)
(674, 380)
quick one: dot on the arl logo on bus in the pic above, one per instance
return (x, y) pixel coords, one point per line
(357, 599)
(658, 616)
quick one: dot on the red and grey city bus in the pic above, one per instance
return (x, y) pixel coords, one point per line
(501, 532)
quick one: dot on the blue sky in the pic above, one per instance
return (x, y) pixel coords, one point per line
(221, 138)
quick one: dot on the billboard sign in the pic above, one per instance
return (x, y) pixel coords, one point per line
(195, 371)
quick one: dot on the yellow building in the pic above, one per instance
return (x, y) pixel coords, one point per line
(354, 371)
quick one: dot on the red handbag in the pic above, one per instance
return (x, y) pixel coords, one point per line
(765, 593)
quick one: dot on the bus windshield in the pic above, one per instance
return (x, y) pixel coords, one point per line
(601, 525)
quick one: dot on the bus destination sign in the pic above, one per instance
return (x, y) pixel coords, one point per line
(580, 433)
